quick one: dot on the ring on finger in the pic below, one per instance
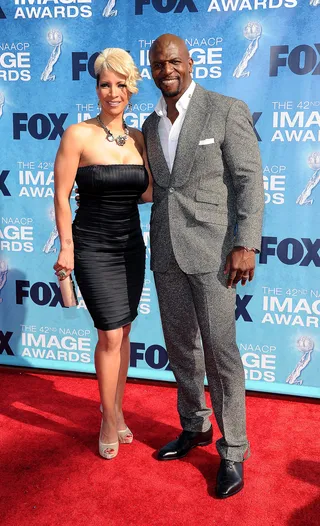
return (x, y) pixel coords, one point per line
(62, 274)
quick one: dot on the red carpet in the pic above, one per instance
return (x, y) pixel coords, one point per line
(51, 474)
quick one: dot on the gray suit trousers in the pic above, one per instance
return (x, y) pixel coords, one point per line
(195, 308)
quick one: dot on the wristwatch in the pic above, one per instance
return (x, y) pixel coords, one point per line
(247, 249)
(251, 250)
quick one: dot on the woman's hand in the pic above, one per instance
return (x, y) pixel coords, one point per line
(65, 263)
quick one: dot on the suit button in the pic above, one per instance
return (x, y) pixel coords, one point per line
(171, 190)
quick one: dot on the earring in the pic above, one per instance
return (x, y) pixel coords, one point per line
(129, 106)
(98, 107)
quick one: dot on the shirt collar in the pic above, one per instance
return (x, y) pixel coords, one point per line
(182, 103)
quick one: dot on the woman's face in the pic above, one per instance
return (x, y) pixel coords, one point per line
(112, 92)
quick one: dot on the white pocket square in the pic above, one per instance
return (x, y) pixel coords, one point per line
(206, 141)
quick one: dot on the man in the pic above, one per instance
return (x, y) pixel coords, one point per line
(205, 229)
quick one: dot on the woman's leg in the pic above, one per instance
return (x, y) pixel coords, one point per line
(122, 378)
(107, 363)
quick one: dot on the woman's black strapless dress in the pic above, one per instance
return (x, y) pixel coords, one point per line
(108, 244)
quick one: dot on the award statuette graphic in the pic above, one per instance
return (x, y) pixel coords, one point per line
(2, 101)
(306, 346)
(314, 2)
(54, 37)
(108, 10)
(314, 163)
(3, 275)
(252, 32)
(49, 245)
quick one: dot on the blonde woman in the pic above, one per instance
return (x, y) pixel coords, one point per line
(104, 245)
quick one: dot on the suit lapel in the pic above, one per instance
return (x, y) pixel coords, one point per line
(198, 113)
(157, 161)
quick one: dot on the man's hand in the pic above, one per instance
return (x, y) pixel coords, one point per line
(77, 198)
(239, 266)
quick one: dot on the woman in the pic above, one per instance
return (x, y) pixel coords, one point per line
(105, 245)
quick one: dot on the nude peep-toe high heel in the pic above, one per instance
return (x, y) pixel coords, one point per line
(125, 435)
(107, 451)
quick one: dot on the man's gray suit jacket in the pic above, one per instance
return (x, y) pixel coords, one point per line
(213, 199)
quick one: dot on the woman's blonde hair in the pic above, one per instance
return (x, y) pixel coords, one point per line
(119, 61)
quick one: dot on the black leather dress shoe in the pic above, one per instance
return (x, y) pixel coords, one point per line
(181, 446)
(229, 478)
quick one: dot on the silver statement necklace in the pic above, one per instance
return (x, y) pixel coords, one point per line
(121, 139)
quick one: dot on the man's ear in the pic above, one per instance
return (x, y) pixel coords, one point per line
(190, 61)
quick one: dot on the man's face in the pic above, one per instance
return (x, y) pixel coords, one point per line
(171, 68)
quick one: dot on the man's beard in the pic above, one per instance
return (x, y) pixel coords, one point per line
(172, 93)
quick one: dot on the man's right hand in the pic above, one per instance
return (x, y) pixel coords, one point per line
(77, 198)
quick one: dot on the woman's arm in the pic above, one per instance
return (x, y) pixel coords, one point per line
(65, 169)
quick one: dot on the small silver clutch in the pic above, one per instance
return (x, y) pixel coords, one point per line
(68, 292)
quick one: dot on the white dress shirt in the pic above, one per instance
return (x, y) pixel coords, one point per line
(168, 132)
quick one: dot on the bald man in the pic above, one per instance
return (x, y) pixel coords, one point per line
(205, 229)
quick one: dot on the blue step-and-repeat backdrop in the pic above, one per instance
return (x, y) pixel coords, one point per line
(266, 52)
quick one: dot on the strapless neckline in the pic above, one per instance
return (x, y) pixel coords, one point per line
(106, 165)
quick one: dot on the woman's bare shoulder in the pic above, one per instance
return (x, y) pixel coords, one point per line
(80, 131)
(85, 127)
(136, 135)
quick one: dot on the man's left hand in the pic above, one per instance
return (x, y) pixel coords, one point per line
(240, 266)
